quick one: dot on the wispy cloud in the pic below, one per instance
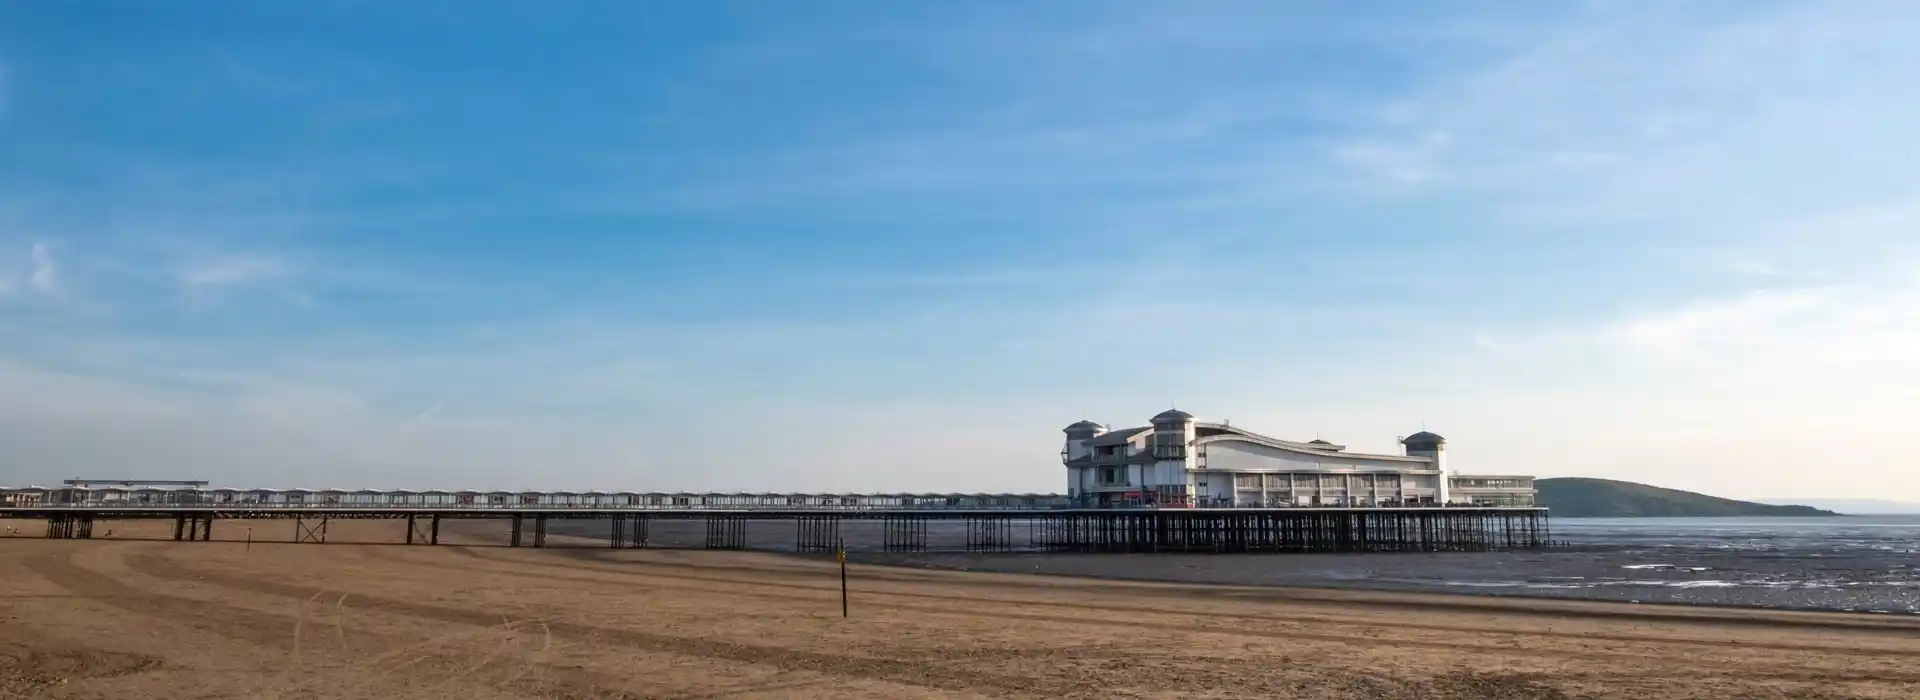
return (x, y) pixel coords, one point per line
(1716, 327)
(431, 411)
(45, 277)
(38, 273)
(233, 271)
(1661, 110)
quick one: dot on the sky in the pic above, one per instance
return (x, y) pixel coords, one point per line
(867, 246)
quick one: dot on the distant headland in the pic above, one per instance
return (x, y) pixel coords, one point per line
(1578, 497)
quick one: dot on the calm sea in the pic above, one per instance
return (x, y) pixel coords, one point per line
(1858, 563)
(1863, 563)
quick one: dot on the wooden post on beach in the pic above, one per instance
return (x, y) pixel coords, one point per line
(843, 577)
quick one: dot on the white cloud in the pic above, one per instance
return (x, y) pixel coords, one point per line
(233, 271)
(45, 277)
(38, 274)
(1723, 325)
(1674, 111)
(434, 410)
(1738, 394)
(1408, 164)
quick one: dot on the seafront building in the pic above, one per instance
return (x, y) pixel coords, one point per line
(1176, 460)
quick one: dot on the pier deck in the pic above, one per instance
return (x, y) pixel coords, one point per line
(1115, 530)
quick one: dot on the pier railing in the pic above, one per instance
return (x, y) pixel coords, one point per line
(403, 500)
(701, 507)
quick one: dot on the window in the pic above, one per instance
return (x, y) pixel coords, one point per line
(1169, 445)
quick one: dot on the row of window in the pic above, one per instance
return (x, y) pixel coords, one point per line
(1493, 483)
(1505, 500)
(1253, 481)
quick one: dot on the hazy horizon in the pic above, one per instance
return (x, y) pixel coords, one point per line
(855, 246)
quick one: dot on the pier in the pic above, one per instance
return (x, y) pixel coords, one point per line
(1102, 530)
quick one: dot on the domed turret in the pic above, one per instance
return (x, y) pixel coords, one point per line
(1432, 447)
(1423, 441)
(1083, 430)
(1077, 436)
(1172, 415)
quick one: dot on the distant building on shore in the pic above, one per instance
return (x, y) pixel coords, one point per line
(1177, 460)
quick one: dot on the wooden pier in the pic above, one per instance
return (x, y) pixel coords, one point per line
(1239, 530)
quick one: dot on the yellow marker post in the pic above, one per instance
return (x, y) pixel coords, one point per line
(843, 577)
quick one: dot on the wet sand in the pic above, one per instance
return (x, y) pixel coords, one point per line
(116, 618)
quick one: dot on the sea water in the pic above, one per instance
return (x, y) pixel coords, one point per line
(1863, 564)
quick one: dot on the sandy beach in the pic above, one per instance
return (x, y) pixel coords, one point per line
(136, 619)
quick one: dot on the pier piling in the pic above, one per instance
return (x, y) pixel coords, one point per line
(727, 532)
(904, 534)
(816, 533)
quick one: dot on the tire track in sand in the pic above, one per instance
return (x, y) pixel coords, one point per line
(1682, 667)
(282, 632)
(1675, 614)
(930, 674)
(1299, 623)
(230, 621)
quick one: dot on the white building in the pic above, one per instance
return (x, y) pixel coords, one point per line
(1177, 460)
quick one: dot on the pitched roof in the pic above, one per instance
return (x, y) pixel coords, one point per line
(1117, 437)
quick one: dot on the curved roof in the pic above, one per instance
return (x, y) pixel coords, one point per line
(1422, 436)
(1083, 425)
(1318, 441)
(1173, 415)
(1304, 448)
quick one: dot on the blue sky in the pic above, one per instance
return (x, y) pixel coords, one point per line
(897, 246)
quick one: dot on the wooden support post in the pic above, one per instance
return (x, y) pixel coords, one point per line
(304, 533)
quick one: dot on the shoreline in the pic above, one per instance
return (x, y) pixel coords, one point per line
(924, 562)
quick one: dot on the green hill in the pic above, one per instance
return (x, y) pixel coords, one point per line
(1605, 498)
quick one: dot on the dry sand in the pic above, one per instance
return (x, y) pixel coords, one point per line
(133, 620)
